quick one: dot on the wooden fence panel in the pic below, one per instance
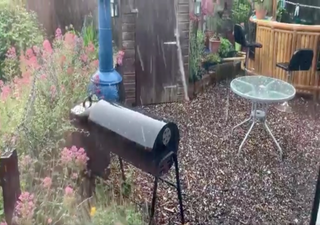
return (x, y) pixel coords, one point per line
(61, 13)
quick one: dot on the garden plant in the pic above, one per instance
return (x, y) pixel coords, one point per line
(46, 81)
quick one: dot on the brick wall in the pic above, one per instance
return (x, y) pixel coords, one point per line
(127, 37)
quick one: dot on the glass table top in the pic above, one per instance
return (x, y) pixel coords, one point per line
(263, 89)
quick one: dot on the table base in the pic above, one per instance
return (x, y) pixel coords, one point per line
(257, 116)
(284, 107)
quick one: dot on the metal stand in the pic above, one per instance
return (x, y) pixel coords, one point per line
(171, 156)
(257, 116)
(285, 107)
(246, 62)
(316, 204)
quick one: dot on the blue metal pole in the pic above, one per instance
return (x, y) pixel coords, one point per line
(105, 82)
(105, 37)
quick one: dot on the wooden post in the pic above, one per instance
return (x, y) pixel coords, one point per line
(10, 183)
(274, 9)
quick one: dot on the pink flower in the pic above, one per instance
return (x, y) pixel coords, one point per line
(29, 53)
(90, 48)
(5, 92)
(25, 206)
(33, 62)
(43, 77)
(53, 90)
(3, 223)
(36, 50)
(74, 155)
(96, 78)
(68, 191)
(11, 53)
(95, 63)
(47, 46)
(119, 57)
(84, 58)
(66, 156)
(81, 158)
(69, 40)
(47, 182)
(58, 33)
(70, 71)
(49, 221)
(75, 176)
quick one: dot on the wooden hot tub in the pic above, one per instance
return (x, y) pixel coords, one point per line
(279, 41)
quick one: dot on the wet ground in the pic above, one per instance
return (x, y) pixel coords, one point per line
(221, 187)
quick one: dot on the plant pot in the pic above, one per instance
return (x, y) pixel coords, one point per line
(208, 35)
(261, 14)
(214, 45)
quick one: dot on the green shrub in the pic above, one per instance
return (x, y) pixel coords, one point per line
(54, 77)
(225, 48)
(240, 11)
(18, 28)
(195, 55)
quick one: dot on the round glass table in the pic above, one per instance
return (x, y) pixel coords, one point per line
(261, 91)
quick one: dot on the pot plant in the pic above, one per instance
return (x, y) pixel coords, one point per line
(226, 49)
(214, 23)
(262, 7)
(211, 59)
(241, 10)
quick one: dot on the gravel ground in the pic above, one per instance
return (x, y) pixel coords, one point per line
(222, 188)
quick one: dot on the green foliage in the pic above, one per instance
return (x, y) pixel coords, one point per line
(54, 78)
(225, 48)
(1, 209)
(212, 58)
(89, 32)
(108, 212)
(282, 14)
(214, 23)
(195, 55)
(18, 28)
(240, 11)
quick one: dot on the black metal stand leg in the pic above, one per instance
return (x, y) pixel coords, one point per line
(122, 170)
(175, 159)
(154, 200)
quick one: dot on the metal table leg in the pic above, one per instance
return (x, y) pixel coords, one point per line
(273, 138)
(245, 137)
(257, 116)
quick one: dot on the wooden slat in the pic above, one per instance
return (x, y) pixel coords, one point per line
(279, 42)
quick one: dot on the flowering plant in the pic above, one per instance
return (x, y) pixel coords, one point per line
(54, 77)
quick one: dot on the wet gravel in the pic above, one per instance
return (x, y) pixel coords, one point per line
(221, 187)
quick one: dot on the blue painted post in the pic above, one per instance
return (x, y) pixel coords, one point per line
(105, 82)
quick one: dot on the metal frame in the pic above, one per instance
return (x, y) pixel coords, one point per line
(173, 156)
(316, 202)
(258, 115)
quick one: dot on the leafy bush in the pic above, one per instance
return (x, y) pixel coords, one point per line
(226, 48)
(18, 28)
(54, 77)
(195, 56)
(212, 58)
(240, 11)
